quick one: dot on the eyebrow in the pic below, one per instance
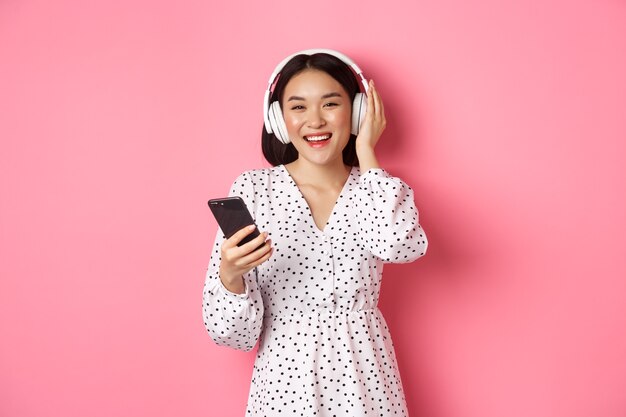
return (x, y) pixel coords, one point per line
(325, 96)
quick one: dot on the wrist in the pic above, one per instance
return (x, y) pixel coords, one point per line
(234, 283)
(237, 286)
(367, 159)
(363, 148)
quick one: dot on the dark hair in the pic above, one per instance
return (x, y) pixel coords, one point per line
(276, 152)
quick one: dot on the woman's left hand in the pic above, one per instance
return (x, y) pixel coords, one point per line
(374, 122)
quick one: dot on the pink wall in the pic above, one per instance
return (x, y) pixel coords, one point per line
(118, 121)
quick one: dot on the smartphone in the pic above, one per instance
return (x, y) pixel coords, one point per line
(232, 215)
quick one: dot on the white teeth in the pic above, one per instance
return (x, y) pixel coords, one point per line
(317, 138)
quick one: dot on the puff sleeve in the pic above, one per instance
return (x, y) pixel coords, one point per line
(387, 219)
(233, 320)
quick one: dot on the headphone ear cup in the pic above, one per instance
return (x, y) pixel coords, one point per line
(359, 107)
(277, 123)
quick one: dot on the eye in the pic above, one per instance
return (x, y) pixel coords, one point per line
(297, 107)
(331, 104)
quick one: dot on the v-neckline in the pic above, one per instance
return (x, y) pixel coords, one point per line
(310, 212)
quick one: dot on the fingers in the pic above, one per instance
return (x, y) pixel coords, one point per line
(239, 236)
(244, 262)
(370, 98)
(258, 255)
(249, 254)
(255, 243)
(377, 104)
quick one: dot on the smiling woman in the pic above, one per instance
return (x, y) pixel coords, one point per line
(309, 295)
(276, 141)
(317, 108)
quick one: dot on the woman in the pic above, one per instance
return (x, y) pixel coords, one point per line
(309, 294)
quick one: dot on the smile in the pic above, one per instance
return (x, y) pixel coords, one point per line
(318, 138)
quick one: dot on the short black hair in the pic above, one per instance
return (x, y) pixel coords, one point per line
(276, 152)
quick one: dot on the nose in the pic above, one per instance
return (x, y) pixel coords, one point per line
(315, 119)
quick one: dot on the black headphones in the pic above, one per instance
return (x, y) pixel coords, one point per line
(273, 114)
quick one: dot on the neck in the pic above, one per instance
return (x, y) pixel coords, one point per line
(304, 172)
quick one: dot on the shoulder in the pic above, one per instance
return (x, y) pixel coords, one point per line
(260, 174)
(254, 185)
(260, 177)
(373, 174)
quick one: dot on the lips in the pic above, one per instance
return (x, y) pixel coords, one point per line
(317, 138)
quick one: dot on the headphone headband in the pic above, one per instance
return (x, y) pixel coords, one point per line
(281, 65)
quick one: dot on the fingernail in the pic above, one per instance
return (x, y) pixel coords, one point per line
(251, 227)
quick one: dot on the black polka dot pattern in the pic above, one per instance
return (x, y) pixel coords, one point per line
(324, 347)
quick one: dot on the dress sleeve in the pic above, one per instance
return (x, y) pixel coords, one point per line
(387, 219)
(233, 320)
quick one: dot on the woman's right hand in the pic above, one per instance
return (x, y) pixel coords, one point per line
(238, 260)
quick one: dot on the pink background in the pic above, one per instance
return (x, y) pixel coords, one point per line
(119, 119)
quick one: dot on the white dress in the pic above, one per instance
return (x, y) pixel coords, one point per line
(324, 347)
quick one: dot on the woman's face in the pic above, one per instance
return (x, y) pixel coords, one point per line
(317, 112)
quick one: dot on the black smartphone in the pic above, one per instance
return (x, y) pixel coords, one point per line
(232, 215)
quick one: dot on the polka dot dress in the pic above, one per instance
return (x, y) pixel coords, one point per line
(324, 347)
